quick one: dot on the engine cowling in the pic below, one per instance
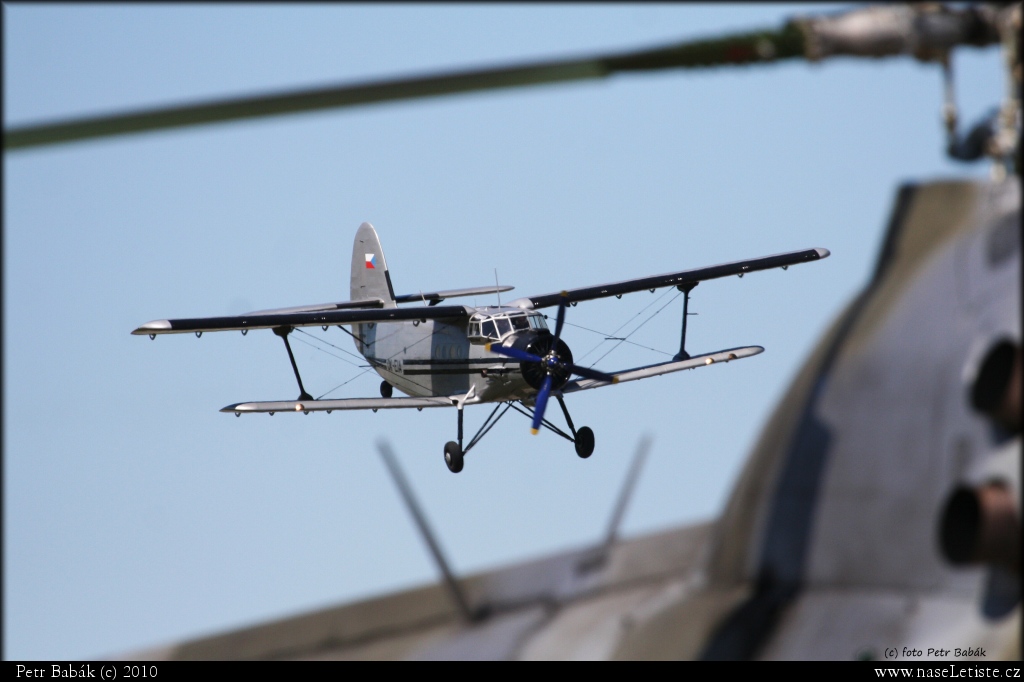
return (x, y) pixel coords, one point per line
(543, 344)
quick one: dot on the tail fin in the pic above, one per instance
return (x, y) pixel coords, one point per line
(370, 277)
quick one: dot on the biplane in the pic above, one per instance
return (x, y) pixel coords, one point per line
(454, 355)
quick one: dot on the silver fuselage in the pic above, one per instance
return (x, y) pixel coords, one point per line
(441, 358)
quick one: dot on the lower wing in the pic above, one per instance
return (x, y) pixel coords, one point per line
(374, 404)
(665, 368)
(307, 406)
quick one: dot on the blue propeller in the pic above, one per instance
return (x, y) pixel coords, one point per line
(552, 364)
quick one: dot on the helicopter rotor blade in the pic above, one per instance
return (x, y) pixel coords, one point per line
(928, 32)
(738, 49)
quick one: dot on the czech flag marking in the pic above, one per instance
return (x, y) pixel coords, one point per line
(370, 261)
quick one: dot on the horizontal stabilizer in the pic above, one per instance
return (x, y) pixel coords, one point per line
(343, 404)
(665, 368)
(340, 305)
(435, 297)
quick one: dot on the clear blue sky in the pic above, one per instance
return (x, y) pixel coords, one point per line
(136, 514)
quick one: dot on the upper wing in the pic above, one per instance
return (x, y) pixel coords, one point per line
(343, 404)
(307, 318)
(665, 367)
(782, 260)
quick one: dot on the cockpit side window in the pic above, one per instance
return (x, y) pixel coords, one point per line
(537, 322)
(489, 330)
(503, 326)
(519, 322)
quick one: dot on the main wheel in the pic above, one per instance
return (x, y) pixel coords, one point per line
(584, 442)
(386, 391)
(453, 456)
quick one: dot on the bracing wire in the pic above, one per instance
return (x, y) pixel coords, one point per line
(640, 312)
(365, 370)
(609, 337)
(314, 347)
(343, 383)
(653, 315)
(317, 338)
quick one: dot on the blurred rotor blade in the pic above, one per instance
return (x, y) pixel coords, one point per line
(513, 353)
(542, 402)
(926, 30)
(599, 556)
(639, 458)
(739, 49)
(454, 588)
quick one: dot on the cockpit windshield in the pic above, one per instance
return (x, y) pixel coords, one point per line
(484, 328)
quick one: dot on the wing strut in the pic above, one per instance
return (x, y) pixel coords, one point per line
(686, 289)
(283, 332)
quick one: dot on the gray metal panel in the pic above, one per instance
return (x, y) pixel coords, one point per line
(840, 624)
(849, 493)
(420, 622)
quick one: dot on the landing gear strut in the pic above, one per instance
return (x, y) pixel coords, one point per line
(582, 438)
(453, 451)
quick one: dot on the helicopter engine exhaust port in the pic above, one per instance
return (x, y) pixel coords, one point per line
(981, 525)
(996, 389)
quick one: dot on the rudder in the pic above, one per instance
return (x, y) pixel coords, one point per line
(370, 278)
